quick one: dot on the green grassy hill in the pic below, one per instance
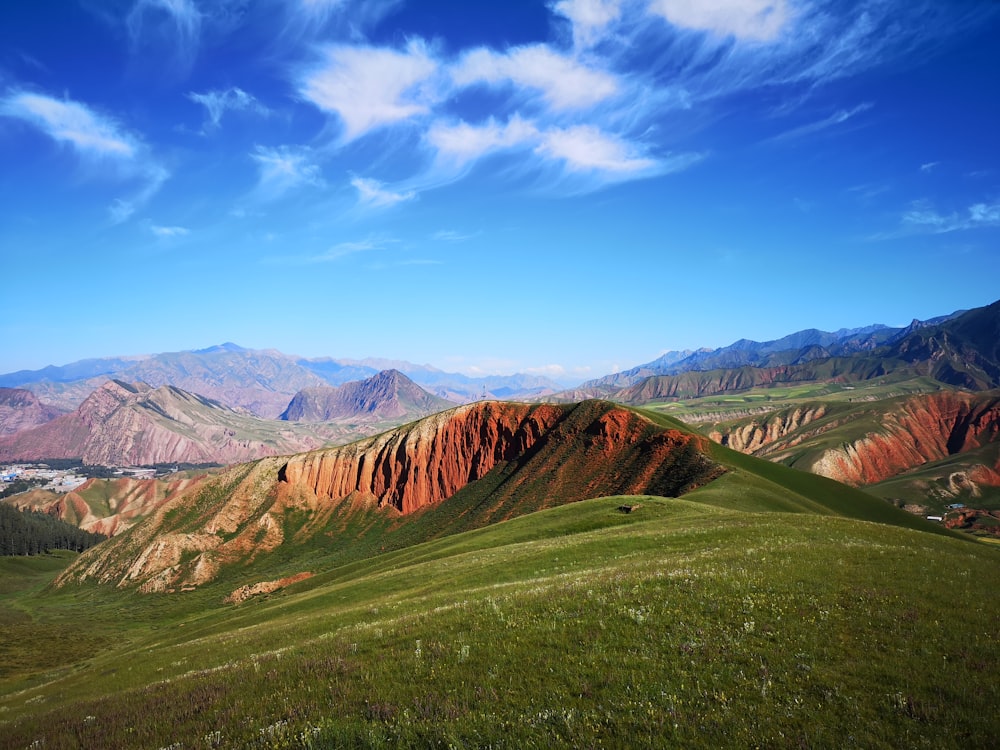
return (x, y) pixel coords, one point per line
(679, 624)
(767, 607)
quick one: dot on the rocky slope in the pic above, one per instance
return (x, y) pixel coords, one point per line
(387, 395)
(21, 410)
(513, 458)
(108, 506)
(870, 443)
(123, 424)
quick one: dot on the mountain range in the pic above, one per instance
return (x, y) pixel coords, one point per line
(260, 381)
(129, 424)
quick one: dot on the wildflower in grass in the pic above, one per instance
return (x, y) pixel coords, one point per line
(418, 651)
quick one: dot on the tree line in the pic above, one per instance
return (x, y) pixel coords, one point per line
(31, 532)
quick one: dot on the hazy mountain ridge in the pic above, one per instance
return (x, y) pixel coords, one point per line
(260, 381)
(20, 409)
(795, 348)
(123, 424)
(388, 394)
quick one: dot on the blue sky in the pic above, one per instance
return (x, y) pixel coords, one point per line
(565, 188)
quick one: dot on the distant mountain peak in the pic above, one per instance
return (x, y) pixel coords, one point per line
(229, 346)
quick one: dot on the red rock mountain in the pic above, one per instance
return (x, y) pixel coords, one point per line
(123, 424)
(513, 458)
(21, 410)
(895, 435)
(387, 395)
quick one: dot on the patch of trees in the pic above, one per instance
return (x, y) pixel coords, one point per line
(30, 532)
(21, 485)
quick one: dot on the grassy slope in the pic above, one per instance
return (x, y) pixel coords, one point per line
(928, 484)
(680, 624)
(758, 485)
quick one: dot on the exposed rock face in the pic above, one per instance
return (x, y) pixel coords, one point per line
(387, 395)
(21, 410)
(751, 436)
(264, 587)
(530, 457)
(441, 454)
(107, 506)
(922, 429)
(123, 424)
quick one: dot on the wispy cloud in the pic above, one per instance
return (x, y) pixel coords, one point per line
(929, 166)
(173, 23)
(369, 87)
(337, 252)
(450, 235)
(285, 168)
(922, 217)
(169, 232)
(563, 81)
(72, 123)
(584, 147)
(589, 18)
(105, 147)
(373, 194)
(217, 103)
(756, 20)
(461, 142)
(837, 118)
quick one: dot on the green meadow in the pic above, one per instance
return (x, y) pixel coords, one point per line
(683, 623)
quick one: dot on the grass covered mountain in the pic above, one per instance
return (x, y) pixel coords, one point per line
(461, 469)
(764, 607)
(123, 424)
(387, 395)
(951, 437)
(109, 506)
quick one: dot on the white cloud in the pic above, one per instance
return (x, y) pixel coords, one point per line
(106, 148)
(368, 87)
(72, 123)
(461, 142)
(585, 148)
(564, 82)
(236, 99)
(929, 166)
(923, 218)
(284, 168)
(836, 118)
(168, 232)
(176, 22)
(589, 18)
(754, 20)
(372, 193)
(450, 235)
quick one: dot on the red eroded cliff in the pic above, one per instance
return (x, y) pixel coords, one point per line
(593, 447)
(422, 466)
(922, 429)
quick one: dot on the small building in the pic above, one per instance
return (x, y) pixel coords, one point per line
(956, 506)
(935, 518)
